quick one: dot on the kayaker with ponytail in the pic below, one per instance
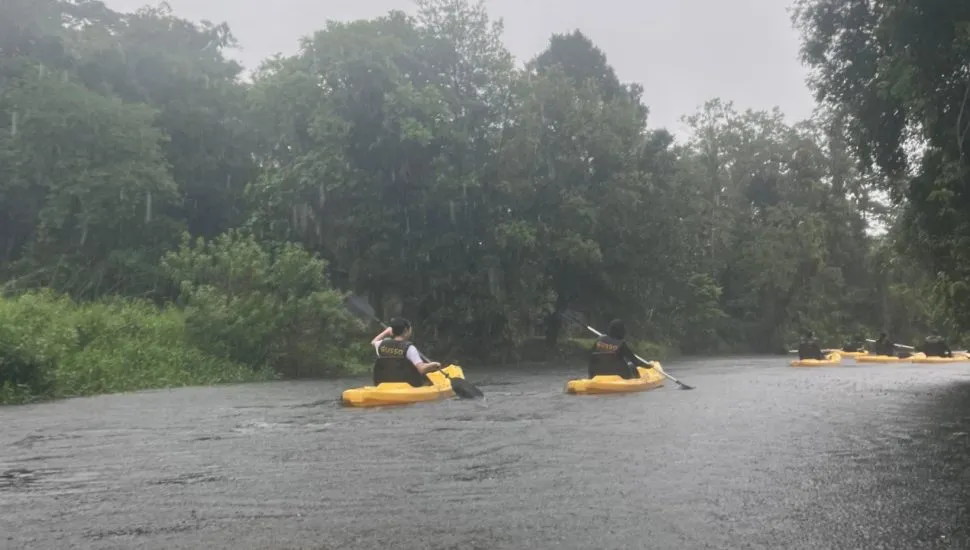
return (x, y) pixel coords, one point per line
(398, 360)
(612, 356)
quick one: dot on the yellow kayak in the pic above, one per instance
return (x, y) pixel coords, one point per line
(649, 379)
(923, 359)
(879, 359)
(402, 393)
(831, 359)
(852, 353)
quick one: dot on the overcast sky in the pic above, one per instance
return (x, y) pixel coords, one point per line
(684, 52)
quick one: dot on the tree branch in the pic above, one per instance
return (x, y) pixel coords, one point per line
(961, 129)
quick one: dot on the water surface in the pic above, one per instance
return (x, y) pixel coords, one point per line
(760, 455)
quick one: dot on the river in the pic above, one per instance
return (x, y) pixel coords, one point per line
(760, 455)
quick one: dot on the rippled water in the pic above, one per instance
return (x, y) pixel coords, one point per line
(760, 455)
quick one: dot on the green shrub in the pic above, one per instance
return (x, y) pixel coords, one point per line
(51, 346)
(264, 306)
(35, 335)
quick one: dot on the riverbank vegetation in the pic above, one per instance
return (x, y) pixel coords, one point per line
(166, 221)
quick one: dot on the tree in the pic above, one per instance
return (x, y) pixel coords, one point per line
(84, 189)
(782, 238)
(178, 67)
(405, 116)
(898, 72)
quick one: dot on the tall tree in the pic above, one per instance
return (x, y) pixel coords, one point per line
(85, 184)
(900, 73)
(178, 67)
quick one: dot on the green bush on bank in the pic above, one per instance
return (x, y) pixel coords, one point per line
(246, 311)
(52, 347)
(261, 305)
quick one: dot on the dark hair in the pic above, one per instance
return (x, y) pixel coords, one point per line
(809, 334)
(399, 325)
(883, 336)
(617, 330)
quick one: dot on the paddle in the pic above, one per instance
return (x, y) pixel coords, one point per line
(461, 387)
(897, 345)
(656, 365)
(914, 349)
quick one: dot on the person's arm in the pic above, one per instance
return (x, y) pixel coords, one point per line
(627, 354)
(415, 357)
(376, 342)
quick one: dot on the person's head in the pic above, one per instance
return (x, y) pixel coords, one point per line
(883, 336)
(617, 329)
(400, 327)
(809, 334)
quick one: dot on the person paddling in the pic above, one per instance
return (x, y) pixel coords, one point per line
(398, 360)
(936, 346)
(886, 347)
(809, 348)
(611, 355)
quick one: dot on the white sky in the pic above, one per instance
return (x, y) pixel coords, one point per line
(684, 52)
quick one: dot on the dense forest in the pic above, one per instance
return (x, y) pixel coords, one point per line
(163, 210)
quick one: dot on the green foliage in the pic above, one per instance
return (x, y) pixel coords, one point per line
(84, 182)
(897, 73)
(51, 346)
(263, 307)
(409, 159)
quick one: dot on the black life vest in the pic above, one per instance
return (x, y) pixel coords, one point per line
(884, 347)
(393, 365)
(809, 349)
(605, 359)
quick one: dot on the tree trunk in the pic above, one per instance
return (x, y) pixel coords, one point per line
(554, 322)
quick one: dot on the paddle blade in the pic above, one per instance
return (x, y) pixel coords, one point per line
(671, 378)
(465, 389)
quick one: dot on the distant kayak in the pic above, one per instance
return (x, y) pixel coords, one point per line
(831, 359)
(401, 393)
(649, 379)
(920, 358)
(852, 353)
